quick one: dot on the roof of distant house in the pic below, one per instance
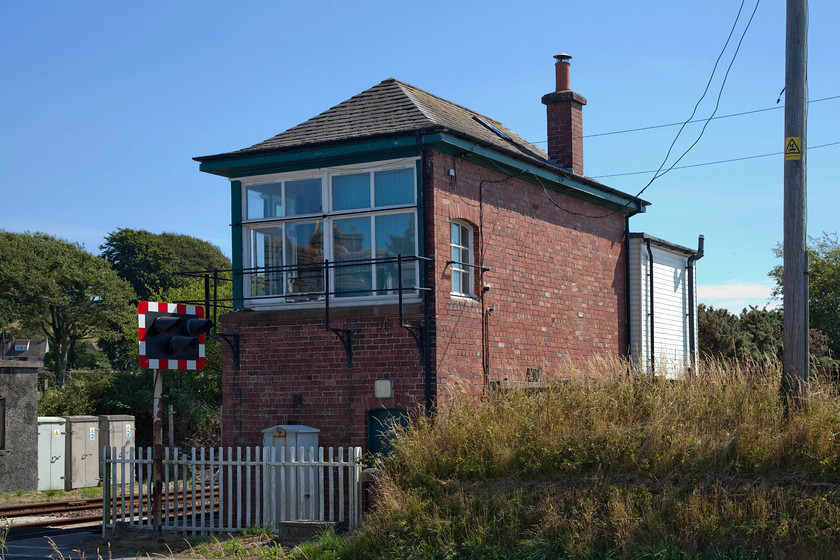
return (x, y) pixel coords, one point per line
(24, 348)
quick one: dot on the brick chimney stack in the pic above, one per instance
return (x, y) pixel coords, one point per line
(564, 109)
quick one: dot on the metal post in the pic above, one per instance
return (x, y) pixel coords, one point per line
(207, 294)
(795, 289)
(106, 490)
(157, 453)
(327, 293)
(399, 285)
(171, 439)
(215, 298)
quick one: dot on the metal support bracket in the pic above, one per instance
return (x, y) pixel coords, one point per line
(346, 338)
(417, 333)
(233, 342)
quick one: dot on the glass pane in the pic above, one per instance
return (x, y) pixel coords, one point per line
(351, 242)
(351, 191)
(303, 197)
(304, 255)
(263, 201)
(456, 282)
(394, 187)
(267, 252)
(395, 235)
(456, 235)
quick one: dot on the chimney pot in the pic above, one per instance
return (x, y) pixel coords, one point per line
(561, 70)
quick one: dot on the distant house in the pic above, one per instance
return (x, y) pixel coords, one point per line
(24, 349)
(399, 249)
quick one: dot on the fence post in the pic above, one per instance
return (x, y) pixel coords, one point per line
(106, 490)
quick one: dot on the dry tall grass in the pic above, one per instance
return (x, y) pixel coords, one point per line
(615, 465)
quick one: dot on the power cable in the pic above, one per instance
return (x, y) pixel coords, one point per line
(668, 125)
(717, 103)
(712, 162)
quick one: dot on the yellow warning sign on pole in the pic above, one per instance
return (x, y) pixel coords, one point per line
(793, 148)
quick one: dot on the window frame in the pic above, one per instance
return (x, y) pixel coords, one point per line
(327, 218)
(466, 270)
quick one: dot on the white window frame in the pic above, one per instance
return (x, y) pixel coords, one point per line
(327, 217)
(463, 269)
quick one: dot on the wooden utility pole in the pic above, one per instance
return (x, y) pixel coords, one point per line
(795, 289)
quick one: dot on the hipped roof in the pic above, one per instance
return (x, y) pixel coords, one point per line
(390, 108)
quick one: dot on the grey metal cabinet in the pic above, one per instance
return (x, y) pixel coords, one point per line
(51, 453)
(298, 498)
(117, 431)
(82, 463)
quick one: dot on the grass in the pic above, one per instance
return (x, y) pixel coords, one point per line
(22, 496)
(616, 466)
(602, 465)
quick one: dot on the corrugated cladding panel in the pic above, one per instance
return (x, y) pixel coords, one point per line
(671, 328)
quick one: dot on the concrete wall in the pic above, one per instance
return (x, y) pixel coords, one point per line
(19, 452)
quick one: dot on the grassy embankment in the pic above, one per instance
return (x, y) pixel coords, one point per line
(615, 467)
(619, 467)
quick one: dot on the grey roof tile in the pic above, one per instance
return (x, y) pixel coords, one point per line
(390, 108)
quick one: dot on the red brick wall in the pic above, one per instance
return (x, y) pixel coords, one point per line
(557, 279)
(557, 284)
(294, 372)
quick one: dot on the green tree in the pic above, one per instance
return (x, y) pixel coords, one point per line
(824, 286)
(150, 262)
(60, 289)
(142, 259)
(193, 254)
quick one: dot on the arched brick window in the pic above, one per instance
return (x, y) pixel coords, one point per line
(461, 243)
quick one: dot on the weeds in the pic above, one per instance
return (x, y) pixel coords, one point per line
(617, 466)
(5, 526)
(92, 492)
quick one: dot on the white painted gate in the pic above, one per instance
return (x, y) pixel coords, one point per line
(209, 491)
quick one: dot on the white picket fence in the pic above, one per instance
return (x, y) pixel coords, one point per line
(211, 492)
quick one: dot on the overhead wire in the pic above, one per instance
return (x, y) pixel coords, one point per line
(717, 103)
(713, 162)
(668, 125)
(657, 174)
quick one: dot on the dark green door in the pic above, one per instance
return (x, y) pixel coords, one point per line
(380, 428)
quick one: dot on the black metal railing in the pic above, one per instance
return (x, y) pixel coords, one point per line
(320, 282)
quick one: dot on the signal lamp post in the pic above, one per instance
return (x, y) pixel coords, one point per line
(171, 337)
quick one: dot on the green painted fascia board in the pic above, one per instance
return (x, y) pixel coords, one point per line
(236, 239)
(312, 159)
(552, 180)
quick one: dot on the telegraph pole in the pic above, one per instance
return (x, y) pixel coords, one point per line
(795, 289)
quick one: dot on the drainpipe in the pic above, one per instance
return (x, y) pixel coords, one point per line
(427, 295)
(650, 303)
(627, 320)
(692, 310)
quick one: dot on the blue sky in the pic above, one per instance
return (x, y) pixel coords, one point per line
(105, 103)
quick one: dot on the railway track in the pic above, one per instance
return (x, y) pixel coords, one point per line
(70, 512)
(64, 512)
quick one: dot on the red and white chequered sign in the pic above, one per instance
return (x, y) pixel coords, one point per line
(144, 307)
